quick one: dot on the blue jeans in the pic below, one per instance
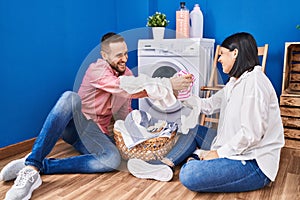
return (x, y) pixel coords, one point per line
(222, 174)
(186, 145)
(66, 121)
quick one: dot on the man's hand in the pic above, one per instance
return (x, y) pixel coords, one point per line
(181, 82)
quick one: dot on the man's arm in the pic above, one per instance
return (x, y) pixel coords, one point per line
(141, 94)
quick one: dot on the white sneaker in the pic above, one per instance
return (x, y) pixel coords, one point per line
(11, 170)
(27, 181)
(142, 169)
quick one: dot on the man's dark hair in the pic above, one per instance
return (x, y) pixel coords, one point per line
(107, 35)
(108, 38)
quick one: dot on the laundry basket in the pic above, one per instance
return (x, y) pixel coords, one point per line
(151, 149)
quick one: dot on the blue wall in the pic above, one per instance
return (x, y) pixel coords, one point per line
(270, 21)
(43, 43)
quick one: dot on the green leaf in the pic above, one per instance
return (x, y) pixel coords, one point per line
(158, 19)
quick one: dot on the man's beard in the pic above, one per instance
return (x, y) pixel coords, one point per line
(115, 67)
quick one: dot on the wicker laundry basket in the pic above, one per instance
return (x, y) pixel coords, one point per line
(152, 149)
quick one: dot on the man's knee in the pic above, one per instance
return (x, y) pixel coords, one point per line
(70, 95)
(70, 98)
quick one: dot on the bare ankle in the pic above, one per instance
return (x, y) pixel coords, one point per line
(33, 167)
(168, 162)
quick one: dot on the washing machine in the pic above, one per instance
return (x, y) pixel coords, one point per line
(164, 58)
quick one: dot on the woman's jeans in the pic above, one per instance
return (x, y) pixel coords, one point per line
(221, 174)
(66, 121)
(184, 147)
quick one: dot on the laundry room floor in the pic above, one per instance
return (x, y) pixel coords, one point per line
(122, 185)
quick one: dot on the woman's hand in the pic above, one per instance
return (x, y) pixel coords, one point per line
(204, 155)
(181, 82)
(210, 155)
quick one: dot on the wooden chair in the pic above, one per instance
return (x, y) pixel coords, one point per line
(214, 85)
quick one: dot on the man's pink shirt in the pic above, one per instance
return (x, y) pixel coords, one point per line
(101, 96)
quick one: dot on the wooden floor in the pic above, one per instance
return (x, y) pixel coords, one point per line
(121, 185)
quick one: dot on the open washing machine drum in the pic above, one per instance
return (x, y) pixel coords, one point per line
(164, 70)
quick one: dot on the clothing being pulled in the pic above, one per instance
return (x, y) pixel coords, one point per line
(158, 89)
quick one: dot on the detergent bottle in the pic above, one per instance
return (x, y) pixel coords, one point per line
(196, 16)
(182, 22)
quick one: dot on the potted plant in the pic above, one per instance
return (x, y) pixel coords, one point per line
(158, 21)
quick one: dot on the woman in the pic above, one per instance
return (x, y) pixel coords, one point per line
(243, 154)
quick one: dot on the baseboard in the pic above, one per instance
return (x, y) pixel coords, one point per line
(15, 149)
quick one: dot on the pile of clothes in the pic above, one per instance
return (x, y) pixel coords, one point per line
(139, 126)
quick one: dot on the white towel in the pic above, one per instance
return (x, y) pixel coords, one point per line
(158, 89)
(192, 119)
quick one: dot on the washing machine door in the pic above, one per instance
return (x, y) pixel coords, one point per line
(166, 67)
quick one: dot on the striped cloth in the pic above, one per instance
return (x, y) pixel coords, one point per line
(184, 94)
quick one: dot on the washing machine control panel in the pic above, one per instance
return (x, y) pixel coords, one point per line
(169, 47)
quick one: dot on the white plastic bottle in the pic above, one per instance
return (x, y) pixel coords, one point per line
(182, 22)
(196, 30)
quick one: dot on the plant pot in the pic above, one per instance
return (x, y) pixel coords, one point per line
(158, 33)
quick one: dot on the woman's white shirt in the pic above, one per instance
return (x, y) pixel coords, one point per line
(250, 125)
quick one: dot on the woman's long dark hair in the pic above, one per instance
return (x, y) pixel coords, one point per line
(247, 57)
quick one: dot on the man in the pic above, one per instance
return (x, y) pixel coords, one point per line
(100, 93)
(84, 124)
